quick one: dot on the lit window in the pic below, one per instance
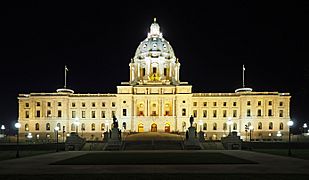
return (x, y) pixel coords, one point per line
(214, 126)
(214, 113)
(248, 113)
(37, 126)
(204, 113)
(92, 114)
(124, 112)
(270, 126)
(234, 113)
(73, 114)
(260, 126)
(103, 114)
(93, 127)
(224, 113)
(27, 114)
(47, 126)
(183, 112)
(195, 113)
(83, 114)
(281, 113)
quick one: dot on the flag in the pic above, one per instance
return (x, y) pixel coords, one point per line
(66, 68)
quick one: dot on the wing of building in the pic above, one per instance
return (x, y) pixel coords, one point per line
(155, 99)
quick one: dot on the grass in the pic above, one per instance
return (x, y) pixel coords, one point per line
(157, 176)
(297, 153)
(5, 155)
(114, 158)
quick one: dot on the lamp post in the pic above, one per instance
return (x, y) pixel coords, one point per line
(250, 133)
(56, 130)
(17, 126)
(305, 127)
(2, 131)
(290, 124)
(229, 122)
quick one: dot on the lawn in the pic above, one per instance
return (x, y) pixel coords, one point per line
(297, 153)
(5, 155)
(113, 158)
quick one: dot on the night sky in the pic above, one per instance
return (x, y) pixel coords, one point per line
(97, 40)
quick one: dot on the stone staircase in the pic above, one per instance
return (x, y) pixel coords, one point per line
(153, 145)
(212, 145)
(94, 146)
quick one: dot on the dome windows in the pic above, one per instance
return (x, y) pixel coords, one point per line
(154, 45)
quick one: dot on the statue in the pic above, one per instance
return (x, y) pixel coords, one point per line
(115, 122)
(191, 120)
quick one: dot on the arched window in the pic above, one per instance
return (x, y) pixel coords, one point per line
(205, 126)
(47, 127)
(124, 125)
(83, 127)
(93, 127)
(26, 127)
(59, 126)
(72, 127)
(214, 127)
(224, 126)
(281, 126)
(260, 125)
(102, 127)
(235, 126)
(270, 126)
(37, 126)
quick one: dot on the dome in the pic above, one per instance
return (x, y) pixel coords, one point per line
(154, 45)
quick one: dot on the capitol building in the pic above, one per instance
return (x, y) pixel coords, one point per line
(155, 100)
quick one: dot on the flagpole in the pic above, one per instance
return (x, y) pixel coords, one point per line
(243, 75)
(65, 77)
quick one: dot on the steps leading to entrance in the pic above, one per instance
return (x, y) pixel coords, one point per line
(153, 145)
(210, 145)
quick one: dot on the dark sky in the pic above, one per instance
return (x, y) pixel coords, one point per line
(97, 40)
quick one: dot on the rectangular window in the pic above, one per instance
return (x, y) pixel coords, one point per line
(195, 113)
(224, 113)
(248, 103)
(259, 103)
(259, 113)
(215, 103)
(27, 114)
(270, 103)
(59, 113)
(83, 104)
(234, 113)
(270, 112)
(281, 113)
(248, 113)
(103, 104)
(83, 114)
(73, 104)
(113, 104)
(59, 103)
(154, 70)
(194, 103)
(73, 114)
(165, 71)
(93, 104)
(103, 114)
(113, 114)
(234, 104)
(204, 103)
(153, 113)
(92, 114)
(183, 112)
(143, 73)
(204, 113)
(38, 113)
(38, 104)
(281, 103)
(27, 104)
(214, 113)
(49, 104)
(124, 112)
(48, 113)
(224, 104)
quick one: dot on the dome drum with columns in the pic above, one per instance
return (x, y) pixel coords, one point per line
(154, 61)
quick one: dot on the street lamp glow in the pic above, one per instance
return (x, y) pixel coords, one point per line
(290, 123)
(17, 125)
(279, 134)
(56, 128)
(2, 127)
(305, 125)
(29, 136)
(251, 127)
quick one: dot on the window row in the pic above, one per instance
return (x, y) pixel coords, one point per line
(225, 112)
(224, 104)
(73, 104)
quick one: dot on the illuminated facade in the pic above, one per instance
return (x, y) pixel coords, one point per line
(154, 100)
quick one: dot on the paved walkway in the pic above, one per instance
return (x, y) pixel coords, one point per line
(148, 136)
(268, 164)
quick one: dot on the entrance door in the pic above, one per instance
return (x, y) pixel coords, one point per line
(167, 128)
(153, 128)
(140, 128)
